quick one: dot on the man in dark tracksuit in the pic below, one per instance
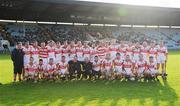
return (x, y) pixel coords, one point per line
(17, 57)
(87, 68)
(74, 68)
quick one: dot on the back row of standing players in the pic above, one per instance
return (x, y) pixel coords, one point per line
(106, 54)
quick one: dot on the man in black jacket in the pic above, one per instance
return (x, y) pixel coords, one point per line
(74, 68)
(17, 56)
(87, 68)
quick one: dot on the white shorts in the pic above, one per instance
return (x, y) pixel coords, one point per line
(128, 72)
(118, 70)
(135, 58)
(58, 59)
(30, 74)
(62, 72)
(36, 59)
(161, 59)
(140, 71)
(26, 59)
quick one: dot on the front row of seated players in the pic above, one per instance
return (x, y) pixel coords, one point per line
(97, 69)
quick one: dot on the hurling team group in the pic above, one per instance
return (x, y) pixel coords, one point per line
(94, 60)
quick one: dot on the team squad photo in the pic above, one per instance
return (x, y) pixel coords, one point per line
(90, 60)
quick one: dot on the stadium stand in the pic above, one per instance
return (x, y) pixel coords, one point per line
(15, 32)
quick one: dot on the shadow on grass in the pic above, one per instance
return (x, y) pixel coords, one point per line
(80, 93)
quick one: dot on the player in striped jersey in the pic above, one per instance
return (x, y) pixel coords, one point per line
(58, 52)
(162, 56)
(27, 53)
(43, 53)
(62, 67)
(96, 66)
(79, 51)
(35, 52)
(107, 67)
(41, 68)
(51, 50)
(86, 51)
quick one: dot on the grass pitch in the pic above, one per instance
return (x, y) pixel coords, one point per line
(91, 93)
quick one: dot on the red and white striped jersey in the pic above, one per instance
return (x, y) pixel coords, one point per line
(136, 51)
(63, 65)
(86, 52)
(141, 64)
(41, 68)
(118, 63)
(127, 65)
(51, 67)
(162, 51)
(43, 52)
(144, 50)
(51, 51)
(107, 64)
(72, 51)
(65, 51)
(101, 52)
(30, 67)
(34, 50)
(96, 65)
(27, 51)
(152, 65)
(58, 50)
(79, 51)
(152, 51)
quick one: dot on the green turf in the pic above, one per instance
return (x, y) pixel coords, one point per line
(88, 93)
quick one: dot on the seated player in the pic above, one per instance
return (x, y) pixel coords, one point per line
(128, 67)
(62, 67)
(31, 70)
(87, 68)
(41, 69)
(107, 67)
(118, 66)
(51, 70)
(140, 66)
(151, 71)
(96, 67)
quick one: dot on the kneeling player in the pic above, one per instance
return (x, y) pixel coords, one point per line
(140, 66)
(128, 68)
(107, 67)
(31, 70)
(118, 66)
(41, 69)
(151, 71)
(51, 71)
(96, 66)
(62, 67)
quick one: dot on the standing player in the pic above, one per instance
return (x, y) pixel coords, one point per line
(122, 50)
(65, 51)
(35, 52)
(43, 53)
(79, 51)
(113, 49)
(62, 67)
(72, 50)
(153, 50)
(136, 52)
(144, 50)
(51, 50)
(101, 51)
(27, 53)
(86, 51)
(58, 52)
(162, 58)
(118, 62)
